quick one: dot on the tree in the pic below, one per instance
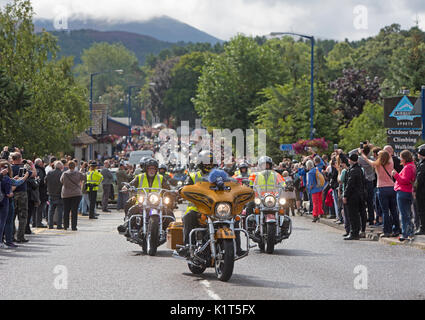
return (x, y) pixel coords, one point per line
(408, 63)
(103, 57)
(155, 89)
(52, 108)
(286, 115)
(184, 82)
(369, 126)
(230, 82)
(353, 90)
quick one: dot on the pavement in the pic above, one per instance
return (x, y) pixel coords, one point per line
(373, 233)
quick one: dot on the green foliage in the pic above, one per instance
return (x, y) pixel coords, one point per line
(102, 57)
(229, 85)
(369, 126)
(184, 81)
(286, 115)
(408, 63)
(47, 108)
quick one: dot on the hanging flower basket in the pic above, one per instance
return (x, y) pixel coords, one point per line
(318, 145)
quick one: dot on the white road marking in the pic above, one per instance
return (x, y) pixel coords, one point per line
(211, 293)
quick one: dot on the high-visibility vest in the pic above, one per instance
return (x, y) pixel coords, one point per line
(272, 183)
(196, 177)
(93, 180)
(144, 182)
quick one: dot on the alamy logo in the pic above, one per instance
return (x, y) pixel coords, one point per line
(404, 110)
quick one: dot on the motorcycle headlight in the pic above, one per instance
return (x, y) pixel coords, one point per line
(223, 211)
(270, 201)
(257, 201)
(153, 199)
(167, 200)
(140, 199)
(179, 183)
(282, 201)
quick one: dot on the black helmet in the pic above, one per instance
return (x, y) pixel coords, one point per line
(163, 166)
(151, 162)
(206, 161)
(263, 161)
(243, 165)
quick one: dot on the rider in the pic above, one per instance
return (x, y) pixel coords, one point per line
(163, 170)
(190, 218)
(243, 172)
(150, 179)
(265, 180)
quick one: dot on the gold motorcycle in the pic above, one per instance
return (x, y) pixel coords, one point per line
(220, 204)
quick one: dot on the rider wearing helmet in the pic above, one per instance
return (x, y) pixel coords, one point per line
(243, 170)
(267, 178)
(163, 170)
(190, 218)
(150, 179)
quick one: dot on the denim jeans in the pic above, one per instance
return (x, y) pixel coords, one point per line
(388, 200)
(55, 203)
(4, 212)
(8, 229)
(378, 208)
(84, 204)
(405, 201)
(369, 201)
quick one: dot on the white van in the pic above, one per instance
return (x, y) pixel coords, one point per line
(136, 156)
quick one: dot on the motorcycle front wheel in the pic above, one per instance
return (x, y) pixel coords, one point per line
(271, 237)
(225, 261)
(153, 231)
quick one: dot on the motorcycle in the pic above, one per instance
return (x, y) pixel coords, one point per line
(270, 224)
(144, 223)
(220, 204)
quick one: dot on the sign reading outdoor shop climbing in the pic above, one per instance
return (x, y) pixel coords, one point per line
(403, 113)
(404, 122)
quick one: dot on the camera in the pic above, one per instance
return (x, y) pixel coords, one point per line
(361, 145)
(22, 172)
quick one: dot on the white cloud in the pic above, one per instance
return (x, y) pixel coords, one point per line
(225, 18)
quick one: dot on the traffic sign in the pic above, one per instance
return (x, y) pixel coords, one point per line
(286, 147)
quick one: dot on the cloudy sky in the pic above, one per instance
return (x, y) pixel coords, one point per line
(332, 19)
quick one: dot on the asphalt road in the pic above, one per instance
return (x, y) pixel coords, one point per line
(315, 263)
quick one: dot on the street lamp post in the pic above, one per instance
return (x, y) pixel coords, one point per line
(311, 38)
(129, 111)
(91, 103)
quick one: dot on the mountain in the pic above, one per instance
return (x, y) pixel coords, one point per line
(73, 43)
(162, 28)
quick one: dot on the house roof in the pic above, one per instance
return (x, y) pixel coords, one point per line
(83, 139)
(123, 121)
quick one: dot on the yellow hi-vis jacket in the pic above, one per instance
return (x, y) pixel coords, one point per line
(93, 180)
(196, 177)
(144, 182)
(274, 180)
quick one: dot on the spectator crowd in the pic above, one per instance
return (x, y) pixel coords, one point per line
(365, 187)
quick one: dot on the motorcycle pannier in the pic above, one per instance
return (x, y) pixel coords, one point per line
(174, 235)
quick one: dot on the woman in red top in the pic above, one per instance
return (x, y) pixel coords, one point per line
(404, 188)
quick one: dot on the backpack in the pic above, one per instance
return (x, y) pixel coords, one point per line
(320, 178)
